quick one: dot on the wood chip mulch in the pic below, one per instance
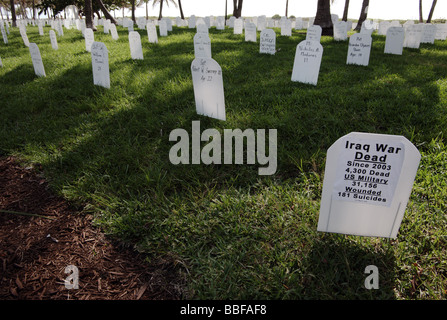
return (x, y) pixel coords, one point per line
(34, 251)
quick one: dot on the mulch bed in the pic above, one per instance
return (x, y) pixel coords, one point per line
(34, 251)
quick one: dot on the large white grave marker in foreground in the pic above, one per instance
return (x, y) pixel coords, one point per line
(367, 183)
(306, 65)
(208, 88)
(100, 65)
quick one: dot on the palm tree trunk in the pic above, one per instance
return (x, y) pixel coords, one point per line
(88, 11)
(105, 12)
(421, 19)
(161, 9)
(430, 15)
(13, 14)
(181, 10)
(133, 11)
(323, 18)
(345, 11)
(363, 15)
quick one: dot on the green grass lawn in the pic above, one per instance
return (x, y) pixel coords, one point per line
(231, 233)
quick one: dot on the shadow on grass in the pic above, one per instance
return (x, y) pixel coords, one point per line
(335, 269)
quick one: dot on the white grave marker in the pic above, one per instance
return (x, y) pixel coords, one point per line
(40, 27)
(359, 49)
(100, 65)
(202, 45)
(22, 29)
(151, 32)
(413, 36)
(306, 66)
(250, 32)
(1, 63)
(314, 33)
(202, 28)
(53, 40)
(267, 41)
(113, 31)
(39, 69)
(340, 31)
(286, 28)
(238, 26)
(5, 37)
(136, 50)
(208, 88)
(428, 34)
(394, 40)
(367, 183)
(163, 28)
(89, 39)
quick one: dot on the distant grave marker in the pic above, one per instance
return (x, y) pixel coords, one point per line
(53, 40)
(359, 49)
(5, 37)
(40, 27)
(250, 32)
(208, 88)
(100, 65)
(36, 58)
(89, 39)
(163, 28)
(413, 36)
(394, 40)
(151, 32)
(202, 45)
(136, 50)
(238, 26)
(113, 31)
(367, 183)
(286, 28)
(267, 41)
(314, 33)
(340, 31)
(22, 29)
(306, 66)
(202, 28)
(428, 33)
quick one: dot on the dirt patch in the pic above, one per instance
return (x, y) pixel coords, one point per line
(35, 250)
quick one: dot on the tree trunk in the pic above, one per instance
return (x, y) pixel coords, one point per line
(430, 15)
(345, 11)
(105, 12)
(147, 11)
(421, 19)
(287, 8)
(13, 14)
(181, 10)
(133, 11)
(161, 9)
(237, 8)
(323, 18)
(88, 11)
(363, 15)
